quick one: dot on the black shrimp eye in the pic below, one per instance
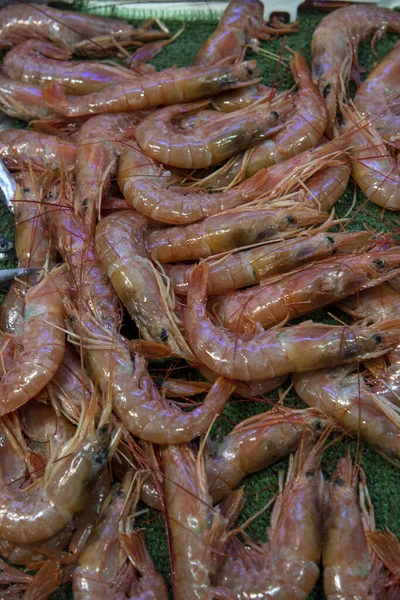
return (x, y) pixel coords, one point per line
(26, 190)
(290, 219)
(378, 338)
(164, 335)
(310, 473)
(379, 263)
(318, 425)
(249, 70)
(85, 202)
(327, 89)
(330, 239)
(275, 114)
(339, 481)
(120, 494)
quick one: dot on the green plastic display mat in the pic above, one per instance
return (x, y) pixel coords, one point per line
(383, 479)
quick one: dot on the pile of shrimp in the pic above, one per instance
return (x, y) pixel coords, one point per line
(204, 252)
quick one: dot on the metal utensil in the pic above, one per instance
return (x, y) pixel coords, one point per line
(7, 275)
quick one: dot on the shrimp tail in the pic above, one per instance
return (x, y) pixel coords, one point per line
(386, 545)
(134, 546)
(45, 582)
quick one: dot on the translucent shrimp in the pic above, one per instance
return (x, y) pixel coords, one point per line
(29, 554)
(335, 43)
(209, 143)
(36, 62)
(249, 267)
(32, 247)
(160, 89)
(42, 341)
(22, 101)
(376, 304)
(287, 565)
(227, 231)
(280, 350)
(242, 97)
(120, 246)
(86, 34)
(241, 23)
(20, 147)
(311, 287)
(349, 569)
(377, 99)
(257, 443)
(37, 513)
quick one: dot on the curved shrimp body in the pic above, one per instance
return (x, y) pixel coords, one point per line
(210, 143)
(99, 142)
(22, 101)
(345, 557)
(311, 287)
(286, 567)
(343, 394)
(170, 86)
(257, 443)
(20, 147)
(192, 521)
(249, 267)
(37, 513)
(36, 62)
(242, 97)
(227, 231)
(335, 43)
(377, 99)
(20, 22)
(120, 246)
(241, 22)
(43, 340)
(280, 350)
(32, 248)
(375, 304)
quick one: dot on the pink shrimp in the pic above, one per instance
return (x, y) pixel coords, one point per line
(86, 34)
(335, 42)
(22, 101)
(31, 554)
(38, 587)
(241, 22)
(20, 147)
(240, 98)
(280, 350)
(160, 89)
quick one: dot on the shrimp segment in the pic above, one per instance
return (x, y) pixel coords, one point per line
(335, 42)
(280, 350)
(161, 89)
(20, 147)
(22, 101)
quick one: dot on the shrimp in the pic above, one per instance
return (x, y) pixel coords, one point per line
(343, 394)
(241, 98)
(377, 99)
(192, 521)
(120, 246)
(98, 145)
(22, 101)
(227, 231)
(287, 565)
(32, 247)
(42, 339)
(86, 34)
(301, 292)
(38, 587)
(160, 89)
(249, 267)
(38, 512)
(29, 554)
(374, 169)
(349, 570)
(20, 147)
(241, 22)
(36, 62)
(376, 304)
(257, 443)
(334, 47)
(209, 143)
(280, 350)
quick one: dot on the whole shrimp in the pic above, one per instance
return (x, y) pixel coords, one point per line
(335, 43)
(22, 101)
(249, 267)
(160, 89)
(241, 23)
(349, 569)
(210, 143)
(279, 350)
(305, 290)
(20, 148)
(257, 443)
(41, 339)
(287, 565)
(37, 62)
(227, 231)
(32, 248)
(120, 246)
(86, 34)
(377, 99)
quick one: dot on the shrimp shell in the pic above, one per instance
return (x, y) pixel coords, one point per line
(22, 101)
(20, 147)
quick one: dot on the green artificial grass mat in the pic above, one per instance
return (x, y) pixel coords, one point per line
(383, 479)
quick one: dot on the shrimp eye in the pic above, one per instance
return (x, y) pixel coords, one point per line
(120, 494)
(379, 263)
(26, 190)
(339, 481)
(72, 318)
(164, 335)
(330, 239)
(339, 118)
(378, 338)
(275, 114)
(326, 90)
(291, 219)
(85, 202)
(310, 473)
(103, 430)
(101, 457)
(318, 425)
(249, 70)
